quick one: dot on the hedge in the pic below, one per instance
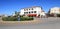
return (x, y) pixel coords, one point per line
(9, 19)
(58, 15)
(26, 18)
(15, 18)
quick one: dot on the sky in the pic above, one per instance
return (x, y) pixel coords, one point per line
(10, 6)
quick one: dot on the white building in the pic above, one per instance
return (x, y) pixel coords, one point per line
(55, 10)
(36, 10)
(4, 15)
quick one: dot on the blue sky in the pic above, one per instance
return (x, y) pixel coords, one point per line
(9, 6)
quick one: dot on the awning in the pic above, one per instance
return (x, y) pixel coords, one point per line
(32, 15)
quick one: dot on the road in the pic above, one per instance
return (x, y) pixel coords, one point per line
(47, 23)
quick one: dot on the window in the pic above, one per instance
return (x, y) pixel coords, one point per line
(59, 10)
(32, 8)
(55, 10)
(34, 11)
(29, 9)
(25, 12)
(29, 12)
(25, 9)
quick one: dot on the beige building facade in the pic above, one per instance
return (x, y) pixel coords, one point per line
(55, 10)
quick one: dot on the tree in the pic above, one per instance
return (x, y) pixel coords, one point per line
(17, 13)
(49, 11)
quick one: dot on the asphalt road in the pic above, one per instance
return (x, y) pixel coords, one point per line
(48, 23)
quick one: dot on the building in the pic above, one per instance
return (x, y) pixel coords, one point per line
(3, 15)
(32, 11)
(55, 10)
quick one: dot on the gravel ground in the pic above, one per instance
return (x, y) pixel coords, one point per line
(19, 22)
(35, 21)
(44, 23)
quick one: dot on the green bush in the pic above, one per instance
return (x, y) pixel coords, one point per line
(58, 15)
(15, 18)
(9, 19)
(26, 18)
(21, 16)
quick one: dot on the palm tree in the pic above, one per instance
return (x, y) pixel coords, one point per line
(48, 14)
(17, 13)
(49, 11)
